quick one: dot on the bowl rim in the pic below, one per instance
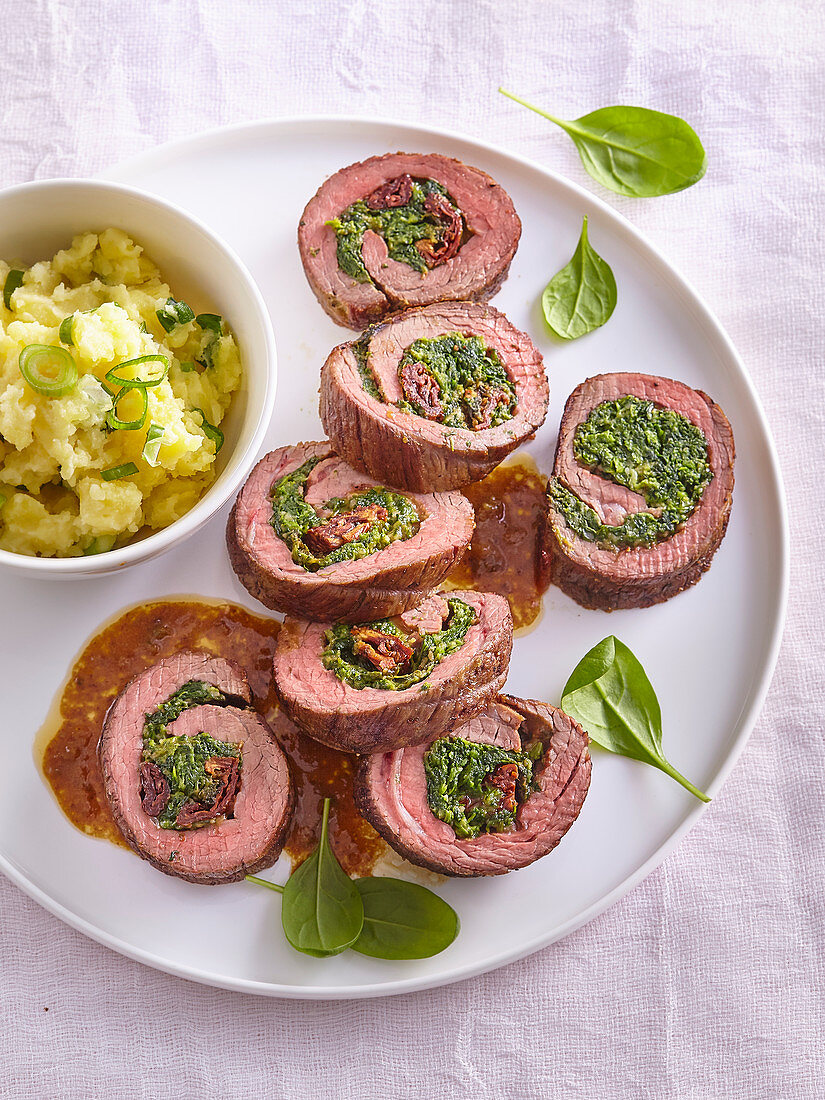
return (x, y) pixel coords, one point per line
(206, 507)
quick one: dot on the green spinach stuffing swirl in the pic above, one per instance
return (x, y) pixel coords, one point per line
(187, 782)
(477, 788)
(351, 528)
(652, 451)
(382, 655)
(417, 219)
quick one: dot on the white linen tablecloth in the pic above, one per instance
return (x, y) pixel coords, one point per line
(707, 980)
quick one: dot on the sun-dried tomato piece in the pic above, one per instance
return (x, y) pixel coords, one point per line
(385, 652)
(395, 192)
(226, 769)
(154, 789)
(438, 252)
(344, 528)
(482, 406)
(504, 779)
(421, 389)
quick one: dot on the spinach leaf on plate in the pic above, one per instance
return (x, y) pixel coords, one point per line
(403, 920)
(322, 912)
(610, 696)
(582, 296)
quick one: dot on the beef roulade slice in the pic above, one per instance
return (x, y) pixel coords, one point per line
(405, 229)
(524, 771)
(387, 551)
(434, 398)
(195, 779)
(395, 682)
(641, 491)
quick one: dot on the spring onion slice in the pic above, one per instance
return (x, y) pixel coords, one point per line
(103, 542)
(186, 367)
(213, 322)
(99, 397)
(210, 431)
(138, 383)
(48, 370)
(65, 331)
(115, 473)
(114, 421)
(14, 279)
(3, 499)
(151, 448)
(174, 313)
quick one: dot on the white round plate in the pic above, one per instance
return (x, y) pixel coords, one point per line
(710, 652)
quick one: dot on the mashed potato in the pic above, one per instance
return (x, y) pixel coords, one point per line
(67, 484)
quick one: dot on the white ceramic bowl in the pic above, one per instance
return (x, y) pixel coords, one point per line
(37, 219)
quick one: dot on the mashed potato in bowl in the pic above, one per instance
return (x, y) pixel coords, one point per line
(116, 431)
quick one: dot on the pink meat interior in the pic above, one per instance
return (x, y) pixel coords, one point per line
(259, 805)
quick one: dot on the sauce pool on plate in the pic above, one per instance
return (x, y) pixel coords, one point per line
(66, 746)
(503, 556)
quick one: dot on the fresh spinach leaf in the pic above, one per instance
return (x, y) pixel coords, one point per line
(403, 920)
(633, 150)
(582, 296)
(610, 696)
(322, 912)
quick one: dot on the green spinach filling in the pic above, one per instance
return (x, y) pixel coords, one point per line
(362, 354)
(187, 763)
(653, 451)
(402, 227)
(194, 693)
(477, 788)
(183, 760)
(387, 517)
(456, 380)
(341, 656)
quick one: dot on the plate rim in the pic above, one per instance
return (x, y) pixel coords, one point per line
(745, 722)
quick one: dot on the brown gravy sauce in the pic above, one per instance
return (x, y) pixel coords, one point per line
(503, 556)
(66, 746)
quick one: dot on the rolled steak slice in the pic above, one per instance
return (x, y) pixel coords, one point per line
(459, 234)
(391, 792)
(385, 582)
(246, 824)
(385, 411)
(376, 718)
(599, 574)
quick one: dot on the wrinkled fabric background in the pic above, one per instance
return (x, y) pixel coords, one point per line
(707, 980)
